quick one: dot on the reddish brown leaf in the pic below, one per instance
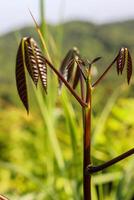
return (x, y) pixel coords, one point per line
(30, 61)
(76, 77)
(67, 66)
(70, 70)
(129, 67)
(40, 66)
(20, 76)
(121, 61)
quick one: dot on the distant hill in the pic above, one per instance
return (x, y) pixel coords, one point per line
(91, 39)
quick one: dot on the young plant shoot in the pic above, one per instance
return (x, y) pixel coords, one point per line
(74, 70)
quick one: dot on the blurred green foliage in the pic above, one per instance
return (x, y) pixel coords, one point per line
(41, 154)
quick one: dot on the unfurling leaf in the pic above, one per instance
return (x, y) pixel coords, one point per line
(67, 66)
(129, 67)
(121, 60)
(20, 75)
(76, 77)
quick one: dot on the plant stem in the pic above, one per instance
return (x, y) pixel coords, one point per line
(104, 73)
(82, 97)
(87, 144)
(94, 169)
(82, 103)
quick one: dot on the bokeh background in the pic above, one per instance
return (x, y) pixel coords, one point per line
(41, 154)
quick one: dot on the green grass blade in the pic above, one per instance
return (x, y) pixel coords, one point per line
(48, 119)
(100, 124)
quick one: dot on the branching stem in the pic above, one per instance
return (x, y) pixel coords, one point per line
(104, 73)
(82, 103)
(93, 169)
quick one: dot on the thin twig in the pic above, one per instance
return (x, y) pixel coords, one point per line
(104, 73)
(93, 169)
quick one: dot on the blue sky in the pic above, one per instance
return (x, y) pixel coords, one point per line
(14, 13)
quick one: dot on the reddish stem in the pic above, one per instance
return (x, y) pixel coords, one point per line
(87, 144)
(93, 169)
(82, 103)
(104, 73)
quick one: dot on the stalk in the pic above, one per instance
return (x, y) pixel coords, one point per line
(87, 143)
(94, 169)
(81, 102)
(86, 115)
(104, 73)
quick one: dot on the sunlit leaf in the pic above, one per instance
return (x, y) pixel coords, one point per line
(121, 61)
(38, 63)
(124, 58)
(30, 56)
(31, 62)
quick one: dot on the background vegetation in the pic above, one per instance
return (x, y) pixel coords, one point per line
(41, 154)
